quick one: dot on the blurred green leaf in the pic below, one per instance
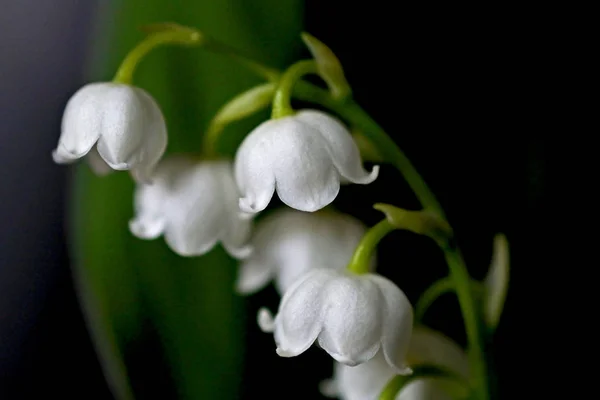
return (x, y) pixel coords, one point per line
(125, 283)
(496, 282)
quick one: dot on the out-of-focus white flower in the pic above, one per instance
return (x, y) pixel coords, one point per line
(194, 205)
(120, 126)
(351, 316)
(367, 381)
(303, 157)
(289, 243)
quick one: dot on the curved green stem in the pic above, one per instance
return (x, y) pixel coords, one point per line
(182, 36)
(434, 291)
(359, 264)
(439, 288)
(267, 73)
(282, 102)
(239, 107)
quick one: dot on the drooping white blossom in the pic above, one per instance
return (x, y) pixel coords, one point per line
(194, 205)
(352, 317)
(288, 243)
(120, 127)
(366, 381)
(303, 157)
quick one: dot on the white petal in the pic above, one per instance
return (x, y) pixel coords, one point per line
(155, 139)
(123, 125)
(397, 324)
(254, 175)
(300, 315)
(289, 243)
(236, 236)
(305, 177)
(343, 149)
(352, 327)
(292, 155)
(364, 381)
(432, 347)
(196, 213)
(253, 275)
(82, 123)
(279, 250)
(147, 226)
(149, 202)
(97, 164)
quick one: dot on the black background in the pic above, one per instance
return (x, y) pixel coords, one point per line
(456, 88)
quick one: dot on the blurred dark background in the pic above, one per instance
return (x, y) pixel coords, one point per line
(456, 92)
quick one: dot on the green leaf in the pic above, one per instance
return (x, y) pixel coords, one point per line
(496, 282)
(329, 66)
(125, 283)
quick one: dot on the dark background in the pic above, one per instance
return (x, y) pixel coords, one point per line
(455, 88)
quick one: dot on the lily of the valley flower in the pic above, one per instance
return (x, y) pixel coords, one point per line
(194, 205)
(120, 126)
(366, 381)
(289, 243)
(351, 316)
(303, 157)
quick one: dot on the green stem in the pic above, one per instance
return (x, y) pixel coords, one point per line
(267, 73)
(359, 264)
(282, 101)
(353, 113)
(182, 36)
(239, 107)
(434, 291)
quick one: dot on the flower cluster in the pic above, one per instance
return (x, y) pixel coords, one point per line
(320, 261)
(196, 203)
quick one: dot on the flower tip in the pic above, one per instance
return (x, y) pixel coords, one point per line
(120, 166)
(374, 174)
(139, 229)
(58, 158)
(248, 206)
(61, 155)
(241, 252)
(266, 322)
(284, 353)
(143, 229)
(406, 371)
(345, 360)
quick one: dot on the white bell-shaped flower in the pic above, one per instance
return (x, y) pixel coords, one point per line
(367, 381)
(120, 126)
(303, 157)
(194, 205)
(351, 316)
(288, 243)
